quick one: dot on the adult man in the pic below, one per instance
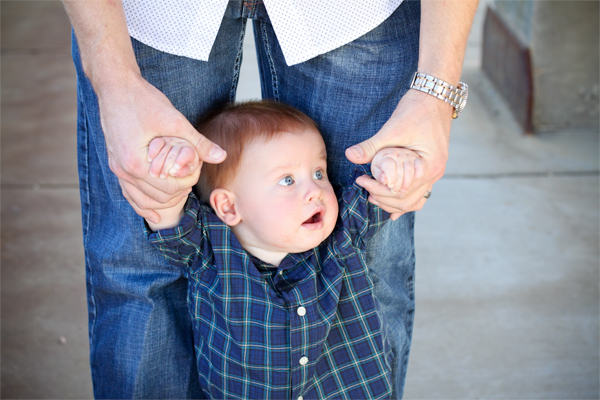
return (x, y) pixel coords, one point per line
(129, 93)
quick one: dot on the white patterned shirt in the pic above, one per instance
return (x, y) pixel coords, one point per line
(304, 28)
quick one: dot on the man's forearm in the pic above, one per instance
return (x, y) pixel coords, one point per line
(445, 26)
(103, 38)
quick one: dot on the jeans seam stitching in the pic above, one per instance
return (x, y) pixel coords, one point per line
(238, 63)
(274, 81)
(89, 270)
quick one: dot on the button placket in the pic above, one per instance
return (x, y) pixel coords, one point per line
(301, 311)
(303, 360)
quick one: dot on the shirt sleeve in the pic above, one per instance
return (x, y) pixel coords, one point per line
(187, 244)
(358, 216)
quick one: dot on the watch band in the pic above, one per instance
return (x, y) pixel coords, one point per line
(456, 97)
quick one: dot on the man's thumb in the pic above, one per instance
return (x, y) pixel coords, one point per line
(207, 151)
(361, 153)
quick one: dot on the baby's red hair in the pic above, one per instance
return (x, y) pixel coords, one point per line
(234, 126)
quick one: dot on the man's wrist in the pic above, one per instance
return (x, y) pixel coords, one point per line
(112, 69)
(115, 82)
(431, 107)
(455, 96)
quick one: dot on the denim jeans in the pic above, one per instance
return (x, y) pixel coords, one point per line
(141, 343)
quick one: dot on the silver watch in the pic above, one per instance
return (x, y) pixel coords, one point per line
(456, 97)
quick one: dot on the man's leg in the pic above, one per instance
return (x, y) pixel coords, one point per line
(351, 92)
(141, 342)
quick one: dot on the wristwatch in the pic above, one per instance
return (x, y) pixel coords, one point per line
(456, 97)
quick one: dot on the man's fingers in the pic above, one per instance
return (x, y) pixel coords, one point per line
(415, 202)
(388, 136)
(383, 197)
(363, 153)
(129, 192)
(156, 193)
(210, 152)
(207, 150)
(396, 215)
(394, 212)
(150, 215)
(373, 187)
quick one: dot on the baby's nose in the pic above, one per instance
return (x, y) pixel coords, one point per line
(314, 192)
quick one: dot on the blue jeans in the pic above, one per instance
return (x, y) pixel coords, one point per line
(139, 326)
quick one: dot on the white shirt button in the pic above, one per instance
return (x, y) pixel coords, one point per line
(301, 311)
(304, 360)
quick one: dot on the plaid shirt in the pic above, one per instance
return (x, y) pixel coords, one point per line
(310, 328)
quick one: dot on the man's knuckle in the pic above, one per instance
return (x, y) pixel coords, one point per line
(438, 169)
(139, 168)
(371, 147)
(201, 142)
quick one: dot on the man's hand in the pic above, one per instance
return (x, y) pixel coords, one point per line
(420, 123)
(132, 113)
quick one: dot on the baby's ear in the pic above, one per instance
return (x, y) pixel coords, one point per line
(223, 202)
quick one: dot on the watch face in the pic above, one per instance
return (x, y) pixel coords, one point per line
(464, 89)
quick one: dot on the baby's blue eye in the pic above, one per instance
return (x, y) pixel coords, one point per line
(318, 175)
(287, 181)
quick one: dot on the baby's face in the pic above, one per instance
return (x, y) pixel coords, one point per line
(283, 194)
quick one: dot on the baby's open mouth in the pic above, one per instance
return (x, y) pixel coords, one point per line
(314, 219)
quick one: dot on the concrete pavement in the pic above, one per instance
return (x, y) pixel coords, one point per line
(507, 246)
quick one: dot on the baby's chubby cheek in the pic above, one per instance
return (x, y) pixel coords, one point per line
(332, 210)
(284, 227)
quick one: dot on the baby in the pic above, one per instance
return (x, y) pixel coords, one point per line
(280, 296)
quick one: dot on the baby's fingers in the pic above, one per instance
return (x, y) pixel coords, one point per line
(393, 171)
(378, 174)
(187, 162)
(157, 153)
(155, 147)
(409, 173)
(170, 161)
(414, 169)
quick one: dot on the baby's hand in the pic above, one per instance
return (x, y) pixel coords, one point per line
(172, 156)
(396, 168)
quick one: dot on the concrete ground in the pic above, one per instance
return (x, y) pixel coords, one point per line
(507, 246)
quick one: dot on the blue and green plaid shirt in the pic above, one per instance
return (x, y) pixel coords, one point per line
(311, 328)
